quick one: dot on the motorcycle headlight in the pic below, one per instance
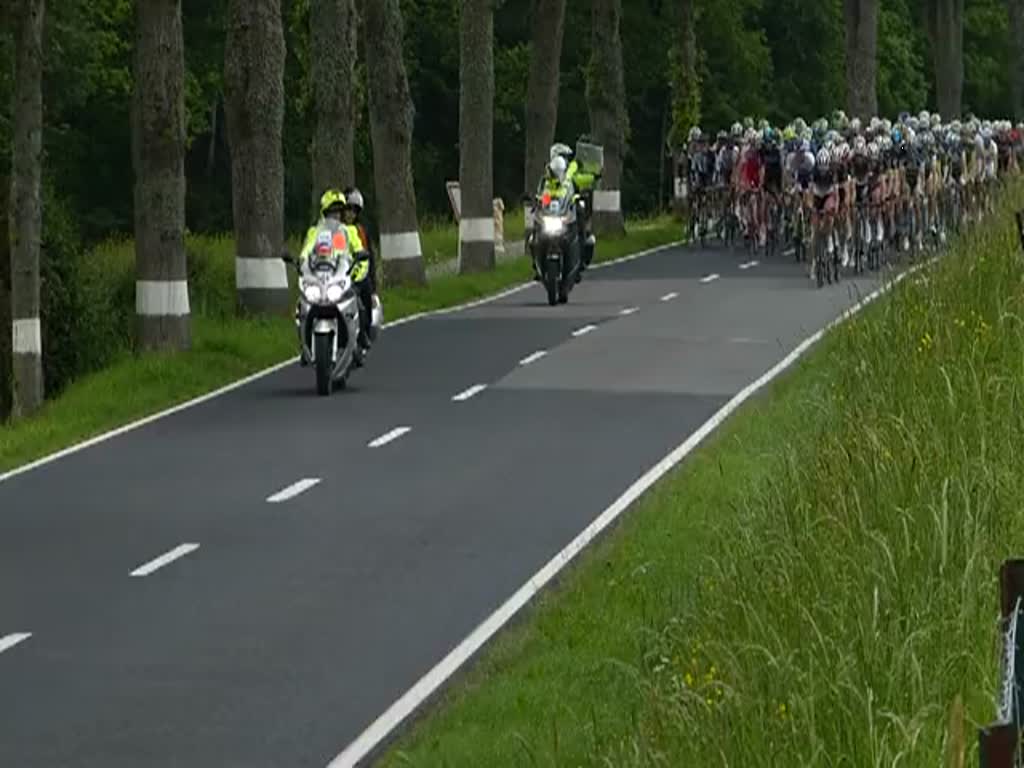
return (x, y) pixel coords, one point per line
(553, 225)
(334, 293)
(312, 292)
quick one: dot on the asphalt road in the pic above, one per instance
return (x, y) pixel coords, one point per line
(293, 625)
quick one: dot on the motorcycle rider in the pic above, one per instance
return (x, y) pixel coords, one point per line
(367, 288)
(557, 184)
(333, 205)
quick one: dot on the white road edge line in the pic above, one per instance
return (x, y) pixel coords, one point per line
(534, 357)
(293, 490)
(629, 311)
(669, 296)
(749, 264)
(168, 557)
(9, 641)
(377, 731)
(386, 438)
(709, 278)
(102, 438)
(476, 389)
(584, 330)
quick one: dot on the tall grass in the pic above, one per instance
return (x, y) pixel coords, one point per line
(850, 598)
(817, 586)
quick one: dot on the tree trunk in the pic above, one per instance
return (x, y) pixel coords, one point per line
(26, 207)
(211, 150)
(158, 158)
(254, 110)
(606, 99)
(1017, 57)
(332, 34)
(862, 58)
(548, 22)
(686, 101)
(946, 30)
(476, 136)
(391, 113)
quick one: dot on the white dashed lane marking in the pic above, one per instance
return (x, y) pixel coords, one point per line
(388, 437)
(168, 557)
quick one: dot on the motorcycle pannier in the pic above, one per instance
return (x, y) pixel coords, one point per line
(590, 157)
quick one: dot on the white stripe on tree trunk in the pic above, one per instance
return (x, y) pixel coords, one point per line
(400, 245)
(477, 230)
(27, 337)
(607, 200)
(161, 298)
(260, 273)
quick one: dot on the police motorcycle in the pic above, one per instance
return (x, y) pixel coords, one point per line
(327, 321)
(554, 243)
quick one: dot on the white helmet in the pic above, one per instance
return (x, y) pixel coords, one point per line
(823, 158)
(557, 167)
(354, 198)
(559, 150)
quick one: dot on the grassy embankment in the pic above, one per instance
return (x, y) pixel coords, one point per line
(814, 586)
(225, 347)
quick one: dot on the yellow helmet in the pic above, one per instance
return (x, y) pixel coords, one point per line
(331, 198)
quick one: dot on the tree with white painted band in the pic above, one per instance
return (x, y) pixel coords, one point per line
(391, 112)
(26, 206)
(476, 135)
(158, 158)
(606, 100)
(254, 104)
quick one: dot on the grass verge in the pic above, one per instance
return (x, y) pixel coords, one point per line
(225, 348)
(815, 586)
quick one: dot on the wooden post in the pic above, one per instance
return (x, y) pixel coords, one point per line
(997, 746)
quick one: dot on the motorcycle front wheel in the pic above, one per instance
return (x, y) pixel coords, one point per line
(322, 351)
(552, 277)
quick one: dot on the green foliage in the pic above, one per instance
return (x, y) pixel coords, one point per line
(986, 58)
(904, 79)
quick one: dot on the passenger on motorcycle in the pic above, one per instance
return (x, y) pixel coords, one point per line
(367, 288)
(583, 185)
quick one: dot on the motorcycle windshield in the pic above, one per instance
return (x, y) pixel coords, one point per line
(555, 206)
(331, 250)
